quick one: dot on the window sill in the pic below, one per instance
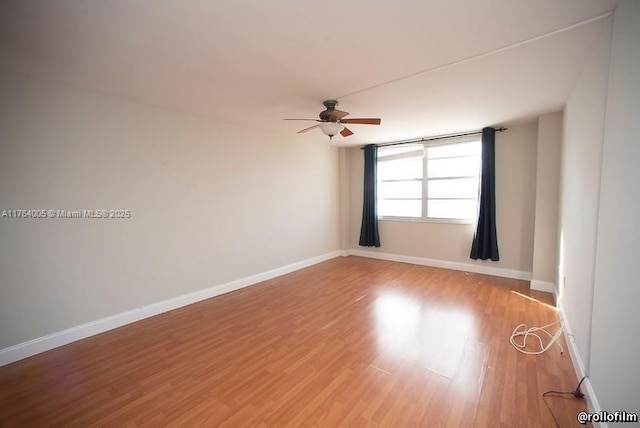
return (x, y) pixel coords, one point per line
(427, 220)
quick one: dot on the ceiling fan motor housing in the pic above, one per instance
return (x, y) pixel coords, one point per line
(325, 116)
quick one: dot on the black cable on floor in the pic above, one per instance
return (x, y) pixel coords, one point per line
(576, 393)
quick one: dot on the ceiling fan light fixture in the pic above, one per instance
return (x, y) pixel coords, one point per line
(331, 128)
(332, 121)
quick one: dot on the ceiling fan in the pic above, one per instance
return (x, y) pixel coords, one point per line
(332, 121)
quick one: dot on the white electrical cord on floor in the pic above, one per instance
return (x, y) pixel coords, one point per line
(524, 332)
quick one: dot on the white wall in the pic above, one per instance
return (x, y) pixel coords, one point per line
(600, 205)
(210, 203)
(515, 204)
(545, 251)
(615, 341)
(580, 193)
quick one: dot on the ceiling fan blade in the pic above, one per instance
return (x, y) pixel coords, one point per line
(307, 129)
(362, 121)
(346, 132)
(337, 115)
(313, 120)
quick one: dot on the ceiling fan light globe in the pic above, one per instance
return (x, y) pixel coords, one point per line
(330, 128)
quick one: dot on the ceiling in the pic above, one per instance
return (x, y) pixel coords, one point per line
(426, 67)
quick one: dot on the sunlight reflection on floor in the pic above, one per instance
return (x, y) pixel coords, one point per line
(534, 300)
(434, 336)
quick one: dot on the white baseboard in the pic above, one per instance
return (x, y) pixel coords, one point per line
(467, 267)
(54, 340)
(549, 287)
(578, 365)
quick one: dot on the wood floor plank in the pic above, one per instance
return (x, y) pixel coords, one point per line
(348, 342)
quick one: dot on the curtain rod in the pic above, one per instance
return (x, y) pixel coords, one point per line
(439, 137)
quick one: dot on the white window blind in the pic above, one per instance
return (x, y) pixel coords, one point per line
(433, 180)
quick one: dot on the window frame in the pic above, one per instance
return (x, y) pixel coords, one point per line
(424, 146)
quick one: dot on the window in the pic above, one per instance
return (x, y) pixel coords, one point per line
(436, 180)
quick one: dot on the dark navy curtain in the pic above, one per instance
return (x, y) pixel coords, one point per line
(485, 240)
(369, 236)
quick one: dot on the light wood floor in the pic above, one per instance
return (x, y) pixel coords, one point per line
(348, 342)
